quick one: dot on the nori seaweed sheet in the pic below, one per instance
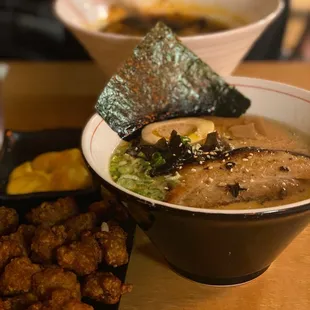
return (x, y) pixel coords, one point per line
(163, 79)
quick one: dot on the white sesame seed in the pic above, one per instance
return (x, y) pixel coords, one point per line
(252, 180)
(166, 188)
(222, 184)
(210, 168)
(251, 154)
(189, 152)
(247, 170)
(210, 180)
(245, 159)
(224, 160)
(193, 170)
(174, 155)
(264, 186)
(180, 144)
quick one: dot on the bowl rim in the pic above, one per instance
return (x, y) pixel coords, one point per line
(95, 121)
(114, 36)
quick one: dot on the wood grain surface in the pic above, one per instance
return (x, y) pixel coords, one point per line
(40, 95)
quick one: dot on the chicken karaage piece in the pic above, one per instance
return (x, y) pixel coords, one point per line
(82, 222)
(76, 305)
(52, 213)
(109, 208)
(112, 240)
(8, 220)
(70, 305)
(105, 287)
(20, 302)
(15, 244)
(45, 242)
(54, 278)
(16, 278)
(24, 233)
(8, 250)
(61, 299)
(82, 257)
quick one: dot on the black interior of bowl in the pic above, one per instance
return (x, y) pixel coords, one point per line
(19, 147)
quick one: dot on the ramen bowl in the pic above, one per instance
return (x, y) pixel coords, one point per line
(214, 246)
(221, 50)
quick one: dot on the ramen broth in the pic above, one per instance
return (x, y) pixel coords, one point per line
(244, 132)
(181, 24)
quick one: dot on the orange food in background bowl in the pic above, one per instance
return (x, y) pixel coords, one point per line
(53, 171)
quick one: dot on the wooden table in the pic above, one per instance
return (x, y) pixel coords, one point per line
(63, 95)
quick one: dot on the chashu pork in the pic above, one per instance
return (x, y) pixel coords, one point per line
(241, 175)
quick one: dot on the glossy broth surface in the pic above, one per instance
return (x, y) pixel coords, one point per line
(246, 131)
(181, 24)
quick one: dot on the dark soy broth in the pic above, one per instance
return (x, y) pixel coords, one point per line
(182, 25)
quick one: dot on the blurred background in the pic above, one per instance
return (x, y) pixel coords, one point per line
(30, 31)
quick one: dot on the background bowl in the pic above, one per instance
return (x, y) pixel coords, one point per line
(214, 246)
(222, 51)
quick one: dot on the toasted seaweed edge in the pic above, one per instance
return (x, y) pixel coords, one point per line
(119, 106)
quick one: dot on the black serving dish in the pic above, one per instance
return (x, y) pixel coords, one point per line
(19, 147)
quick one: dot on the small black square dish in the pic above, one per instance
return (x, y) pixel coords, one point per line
(19, 147)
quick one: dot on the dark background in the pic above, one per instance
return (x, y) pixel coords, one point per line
(30, 31)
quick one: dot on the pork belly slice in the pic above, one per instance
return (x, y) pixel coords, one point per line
(245, 174)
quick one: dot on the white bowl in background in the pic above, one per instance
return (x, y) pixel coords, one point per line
(222, 51)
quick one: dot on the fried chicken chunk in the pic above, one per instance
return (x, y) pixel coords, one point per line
(25, 234)
(52, 213)
(105, 287)
(15, 244)
(76, 225)
(52, 278)
(8, 220)
(19, 302)
(45, 242)
(82, 257)
(113, 243)
(16, 278)
(109, 208)
(61, 299)
(101, 209)
(70, 305)
(8, 250)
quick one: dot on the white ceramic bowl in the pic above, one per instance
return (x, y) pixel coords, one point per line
(214, 246)
(222, 51)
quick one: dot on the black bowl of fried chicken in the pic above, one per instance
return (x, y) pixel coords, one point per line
(64, 254)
